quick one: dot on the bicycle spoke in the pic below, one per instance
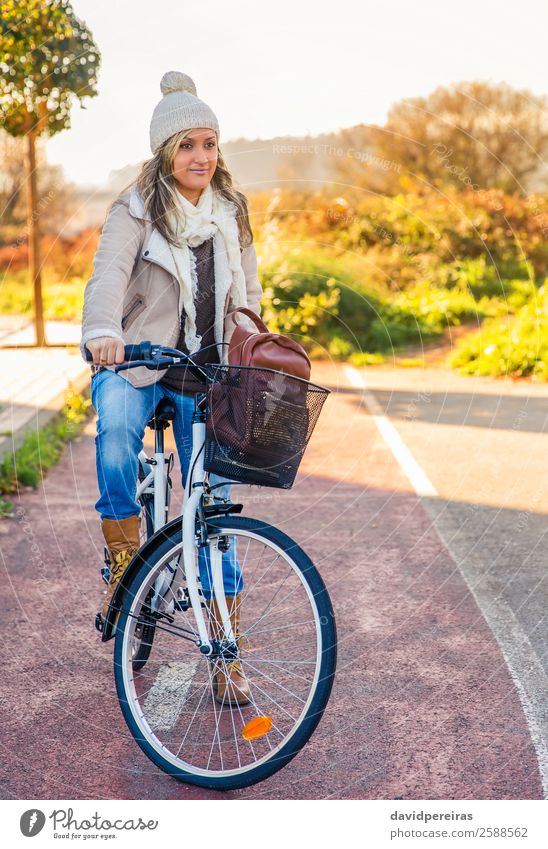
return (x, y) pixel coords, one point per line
(249, 630)
(285, 671)
(196, 709)
(279, 628)
(277, 683)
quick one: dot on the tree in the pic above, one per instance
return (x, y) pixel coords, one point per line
(471, 134)
(358, 165)
(12, 158)
(47, 58)
(54, 193)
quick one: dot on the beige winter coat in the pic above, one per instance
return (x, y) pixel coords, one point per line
(134, 292)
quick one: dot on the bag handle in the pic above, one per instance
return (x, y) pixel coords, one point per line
(257, 320)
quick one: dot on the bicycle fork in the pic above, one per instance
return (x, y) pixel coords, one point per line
(193, 492)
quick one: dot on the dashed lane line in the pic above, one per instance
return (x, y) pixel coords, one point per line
(167, 696)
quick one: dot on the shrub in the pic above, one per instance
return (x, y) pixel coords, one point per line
(316, 297)
(516, 345)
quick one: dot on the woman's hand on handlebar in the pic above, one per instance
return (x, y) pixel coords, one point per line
(106, 351)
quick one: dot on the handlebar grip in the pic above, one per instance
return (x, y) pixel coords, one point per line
(143, 351)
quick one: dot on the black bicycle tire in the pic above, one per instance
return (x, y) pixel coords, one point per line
(308, 725)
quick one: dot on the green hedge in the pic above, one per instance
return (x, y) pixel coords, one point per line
(326, 303)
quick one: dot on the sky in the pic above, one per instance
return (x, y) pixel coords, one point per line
(293, 67)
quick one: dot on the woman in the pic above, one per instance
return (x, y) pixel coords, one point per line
(176, 254)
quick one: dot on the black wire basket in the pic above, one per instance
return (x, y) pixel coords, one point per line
(258, 423)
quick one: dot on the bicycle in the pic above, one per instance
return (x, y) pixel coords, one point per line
(287, 645)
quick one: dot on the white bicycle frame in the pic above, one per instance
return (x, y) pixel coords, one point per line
(193, 492)
(155, 483)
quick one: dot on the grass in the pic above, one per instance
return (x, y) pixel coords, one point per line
(41, 449)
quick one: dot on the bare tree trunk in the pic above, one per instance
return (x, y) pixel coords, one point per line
(34, 241)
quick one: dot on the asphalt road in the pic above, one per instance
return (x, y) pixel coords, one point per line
(482, 443)
(426, 704)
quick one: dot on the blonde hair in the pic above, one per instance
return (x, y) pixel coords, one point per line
(157, 187)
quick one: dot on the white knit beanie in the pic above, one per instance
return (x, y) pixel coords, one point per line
(179, 109)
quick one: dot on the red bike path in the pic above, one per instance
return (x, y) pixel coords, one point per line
(423, 706)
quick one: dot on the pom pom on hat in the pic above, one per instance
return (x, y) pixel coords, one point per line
(179, 109)
(177, 81)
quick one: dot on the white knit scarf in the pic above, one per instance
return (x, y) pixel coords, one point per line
(213, 216)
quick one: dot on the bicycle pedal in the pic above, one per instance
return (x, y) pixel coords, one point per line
(183, 602)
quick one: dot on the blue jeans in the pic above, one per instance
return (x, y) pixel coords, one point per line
(122, 414)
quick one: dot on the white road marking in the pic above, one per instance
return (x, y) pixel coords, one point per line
(522, 661)
(167, 696)
(417, 477)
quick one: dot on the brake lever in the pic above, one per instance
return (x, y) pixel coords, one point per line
(166, 361)
(153, 365)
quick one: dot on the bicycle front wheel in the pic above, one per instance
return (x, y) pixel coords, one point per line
(287, 653)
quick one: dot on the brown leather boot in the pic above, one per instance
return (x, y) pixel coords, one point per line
(123, 540)
(231, 685)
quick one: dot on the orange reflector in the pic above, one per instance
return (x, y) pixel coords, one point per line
(257, 727)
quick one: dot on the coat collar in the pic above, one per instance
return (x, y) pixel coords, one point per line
(136, 205)
(156, 248)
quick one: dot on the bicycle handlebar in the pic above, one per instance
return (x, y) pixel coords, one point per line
(155, 357)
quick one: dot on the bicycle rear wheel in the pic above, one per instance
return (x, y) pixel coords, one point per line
(288, 654)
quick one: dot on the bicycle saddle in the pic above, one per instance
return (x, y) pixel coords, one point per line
(164, 413)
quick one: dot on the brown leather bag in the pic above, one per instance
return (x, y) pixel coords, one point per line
(265, 349)
(261, 416)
